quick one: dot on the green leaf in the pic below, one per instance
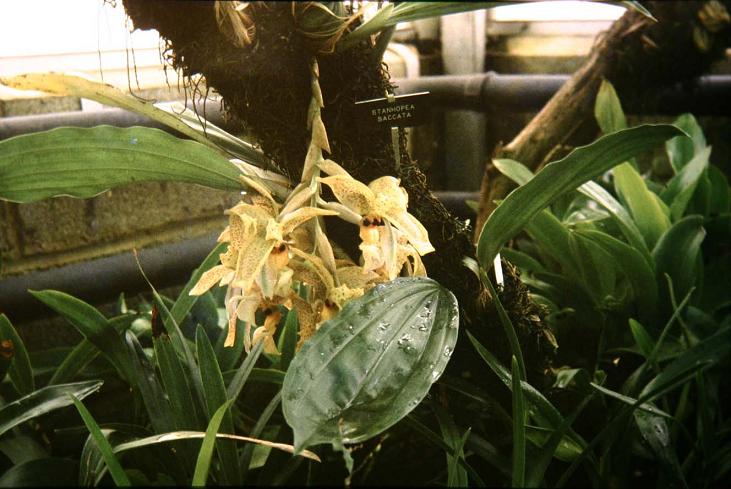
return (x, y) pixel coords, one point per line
(21, 448)
(456, 474)
(392, 14)
(288, 340)
(215, 395)
(683, 149)
(541, 408)
(92, 325)
(655, 432)
(203, 464)
(172, 114)
(633, 265)
(364, 370)
(42, 401)
(177, 387)
(719, 192)
(645, 207)
(703, 355)
(642, 338)
(682, 186)
(20, 370)
(85, 352)
(185, 302)
(115, 469)
(520, 174)
(244, 371)
(677, 251)
(647, 407)
(146, 381)
(83, 162)
(559, 177)
(553, 239)
(522, 260)
(519, 419)
(41, 472)
(608, 109)
(248, 451)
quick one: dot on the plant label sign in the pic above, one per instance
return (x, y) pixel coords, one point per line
(403, 111)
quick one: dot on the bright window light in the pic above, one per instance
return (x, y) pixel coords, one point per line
(557, 11)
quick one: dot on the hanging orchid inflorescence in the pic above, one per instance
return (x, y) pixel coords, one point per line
(279, 253)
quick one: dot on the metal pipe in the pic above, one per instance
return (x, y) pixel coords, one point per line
(100, 280)
(707, 95)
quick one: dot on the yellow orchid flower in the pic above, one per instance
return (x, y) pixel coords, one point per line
(255, 265)
(380, 209)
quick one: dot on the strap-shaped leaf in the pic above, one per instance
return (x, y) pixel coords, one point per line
(372, 364)
(559, 177)
(82, 162)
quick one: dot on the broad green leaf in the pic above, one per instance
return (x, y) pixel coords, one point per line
(173, 115)
(553, 238)
(596, 265)
(390, 15)
(20, 370)
(41, 472)
(520, 416)
(364, 370)
(83, 162)
(522, 260)
(608, 110)
(682, 186)
(203, 464)
(115, 469)
(43, 401)
(521, 174)
(21, 448)
(559, 177)
(633, 265)
(682, 149)
(92, 325)
(85, 352)
(215, 395)
(645, 207)
(677, 252)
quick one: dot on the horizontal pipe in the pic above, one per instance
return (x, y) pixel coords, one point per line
(707, 95)
(100, 280)
(485, 92)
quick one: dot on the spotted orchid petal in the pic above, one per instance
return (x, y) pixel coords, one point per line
(250, 261)
(300, 216)
(351, 193)
(413, 229)
(208, 279)
(390, 197)
(333, 169)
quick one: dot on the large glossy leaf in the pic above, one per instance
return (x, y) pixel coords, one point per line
(559, 177)
(20, 370)
(83, 162)
(43, 401)
(372, 364)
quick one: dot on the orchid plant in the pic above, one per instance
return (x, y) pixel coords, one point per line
(279, 254)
